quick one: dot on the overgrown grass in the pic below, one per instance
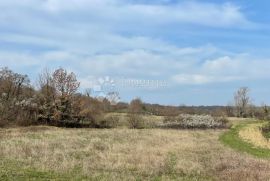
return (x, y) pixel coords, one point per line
(267, 135)
(266, 130)
(94, 154)
(232, 139)
(14, 170)
(48, 153)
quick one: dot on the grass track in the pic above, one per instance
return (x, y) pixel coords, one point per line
(232, 139)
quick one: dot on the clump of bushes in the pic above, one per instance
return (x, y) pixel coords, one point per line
(136, 121)
(107, 122)
(187, 121)
(266, 131)
(3, 122)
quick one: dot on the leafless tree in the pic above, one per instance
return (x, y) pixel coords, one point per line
(136, 106)
(47, 96)
(242, 101)
(65, 83)
(230, 110)
(16, 94)
(88, 92)
(113, 97)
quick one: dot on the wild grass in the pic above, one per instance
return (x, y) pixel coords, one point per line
(48, 153)
(252, 133)
(266, 130)
(238, 141)
(149, 121)
(267, 135)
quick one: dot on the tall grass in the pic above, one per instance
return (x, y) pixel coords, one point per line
(123, 154)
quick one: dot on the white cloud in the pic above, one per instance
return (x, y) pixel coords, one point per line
(115, 13)
(86, 28)
(199, 79)
(87, 36)
(184, 68)
(232, 68)
(119, 11)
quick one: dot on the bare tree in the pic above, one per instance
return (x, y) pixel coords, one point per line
(16, 97)
(242, 101)
(113, 97)
(136, 106)
(88, 92)
(47, 96)
(230, 110)
(12, 83)
(65, 83)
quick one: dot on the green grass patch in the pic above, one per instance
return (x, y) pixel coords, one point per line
(267, 135)
(232, 139)
(266, 130)
(12, 170)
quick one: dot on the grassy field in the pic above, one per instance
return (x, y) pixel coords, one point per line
(252, 134)
(240, 137)
(48, 153)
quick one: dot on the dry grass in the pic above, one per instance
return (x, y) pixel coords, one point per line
(236, 120)
(149, 120)
(252, 134)
(124, 154)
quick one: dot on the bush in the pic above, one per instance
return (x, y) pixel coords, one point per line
(108, 122)
(266, 131)
(169, 119)
(136, 121)
(101, 121)
(195, 121)
(3, 123)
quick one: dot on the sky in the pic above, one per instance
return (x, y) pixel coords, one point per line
(171, 52)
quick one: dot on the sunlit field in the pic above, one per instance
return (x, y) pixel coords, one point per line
(134, 90)
(123, 154)
(253, 135)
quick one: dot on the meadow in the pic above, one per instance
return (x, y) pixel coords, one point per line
(50, 153)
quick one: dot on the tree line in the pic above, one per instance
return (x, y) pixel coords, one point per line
(57, 101)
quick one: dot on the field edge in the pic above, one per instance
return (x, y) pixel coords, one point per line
(232, 139)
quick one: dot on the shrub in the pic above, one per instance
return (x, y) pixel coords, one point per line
(266, 131)
(195, 121)
(3, 122)
(136, 121)
(169, 119)
(136, 106)
(108, 122)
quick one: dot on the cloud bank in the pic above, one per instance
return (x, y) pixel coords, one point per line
(124, 38)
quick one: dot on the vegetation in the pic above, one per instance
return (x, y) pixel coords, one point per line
(242, 101)
(266, 130)
(240, 143)
(195, 121)
(53, 151)
(56, 101)
(253, 134)
(49, 153)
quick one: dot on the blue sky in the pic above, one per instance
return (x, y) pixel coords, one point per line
(203, 50)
